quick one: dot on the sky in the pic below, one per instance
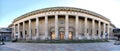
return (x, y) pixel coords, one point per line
(11, 9)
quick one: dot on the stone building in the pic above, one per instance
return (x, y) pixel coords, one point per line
(61, 23)
(5, 33)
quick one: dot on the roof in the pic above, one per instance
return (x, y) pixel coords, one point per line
(112, 25)
(60, 9)
(5, 30)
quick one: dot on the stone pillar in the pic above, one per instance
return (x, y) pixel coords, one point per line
(30, 34)
(104, 30)
(76, 26)
(99, 29)
(108, 31)
(18, 31)
(37, 28)
(93, 28)
(23, 30)
(46, 27)
(66, 27)
(14, 34)
(85, 28)
(56, 26)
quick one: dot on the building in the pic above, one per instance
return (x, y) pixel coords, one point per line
(5, 33)
(61, 23)
(111, 34)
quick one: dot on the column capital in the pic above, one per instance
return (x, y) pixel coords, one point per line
(37, 22)
(93, 19)
(86, 17)
(14, 24)
(100, 21)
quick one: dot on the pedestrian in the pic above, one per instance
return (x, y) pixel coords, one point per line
(106, 35)
(3, 41)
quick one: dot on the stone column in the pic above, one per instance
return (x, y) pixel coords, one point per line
(14, 34)
(23, 30)
(104, 30)
(56, 26)
(37, 28)
(108, 31)
(85, 28)
(30, 34)
(46, 27)
(18, 31)
(76, 26)
(99, 29)
(66, 27)
(93, 28)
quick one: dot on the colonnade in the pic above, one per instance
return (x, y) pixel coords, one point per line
(66, 27)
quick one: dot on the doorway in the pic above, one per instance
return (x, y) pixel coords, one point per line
(61, 35)
(70, 35)
(52, 35)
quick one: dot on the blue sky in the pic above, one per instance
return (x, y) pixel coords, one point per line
(11, 9)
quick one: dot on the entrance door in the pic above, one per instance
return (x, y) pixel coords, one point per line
(71, 35)
(53, 35)
(61, 35)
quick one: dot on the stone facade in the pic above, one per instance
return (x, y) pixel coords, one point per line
(61, 23)
(5, 33)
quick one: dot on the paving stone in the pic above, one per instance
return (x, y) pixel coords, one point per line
(106, 46)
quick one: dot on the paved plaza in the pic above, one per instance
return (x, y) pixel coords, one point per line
(106, 46)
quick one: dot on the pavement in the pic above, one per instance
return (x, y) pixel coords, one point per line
(104, 46)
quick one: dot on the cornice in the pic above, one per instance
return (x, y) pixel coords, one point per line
(60, 9)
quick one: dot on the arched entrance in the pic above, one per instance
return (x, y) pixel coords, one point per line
(70, 35)
(52, 35)
(61, 33)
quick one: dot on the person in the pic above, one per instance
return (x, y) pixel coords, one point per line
(106, 35)
(2, 41)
